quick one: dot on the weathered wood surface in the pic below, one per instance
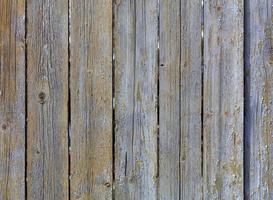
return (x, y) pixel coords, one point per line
(191, 100)
(136, 67)
(259, 97)
(47, 98)
(180, 100)
(223, 99)
(169, 100)
(12, 99)
(124, 99)
(91, 99)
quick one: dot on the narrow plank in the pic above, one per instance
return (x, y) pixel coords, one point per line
(169, 100)
(135, 37)
(91, 99)
(180, 158)
(259, 96)
(47, 57)
(191, 100)
(12, 99)
(223, 99)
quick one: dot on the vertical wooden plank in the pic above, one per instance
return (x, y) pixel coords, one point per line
(136, 29)
(91, 99)
(12, 99)
(47, 57)
(191, 100)
(259, 96)
(169, 100)
(223, 99)
(180, 159)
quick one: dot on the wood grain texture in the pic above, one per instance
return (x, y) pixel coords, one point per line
(12, 99)
(191, 100)
(136, 69)
(91, 99)
(169, 100)
(223, 99)
(259, 96)
(180, 100)
(47, 71)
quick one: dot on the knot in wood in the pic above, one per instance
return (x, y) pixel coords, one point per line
(107, 184)
(42, 97)
(4, 126)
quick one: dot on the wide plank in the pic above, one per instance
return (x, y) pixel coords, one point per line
(47, 99)
(91, 99)
(223, 99)
(136, 68)
(180, 156)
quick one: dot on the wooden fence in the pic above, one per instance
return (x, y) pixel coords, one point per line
(136, 99)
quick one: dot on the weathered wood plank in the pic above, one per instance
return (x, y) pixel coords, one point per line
(47, 57)
(180, 100)
(135, 36)
(12, 99)
(223, 99)
(169, 100)
(191, 100)
(259, 96)
(91, 99)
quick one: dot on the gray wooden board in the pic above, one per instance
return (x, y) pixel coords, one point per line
(91, 99)
(191, 100)
(135, 39)
(47, 95)
(223, 99)
(259, 97)
(180, 80)
(169, 99)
